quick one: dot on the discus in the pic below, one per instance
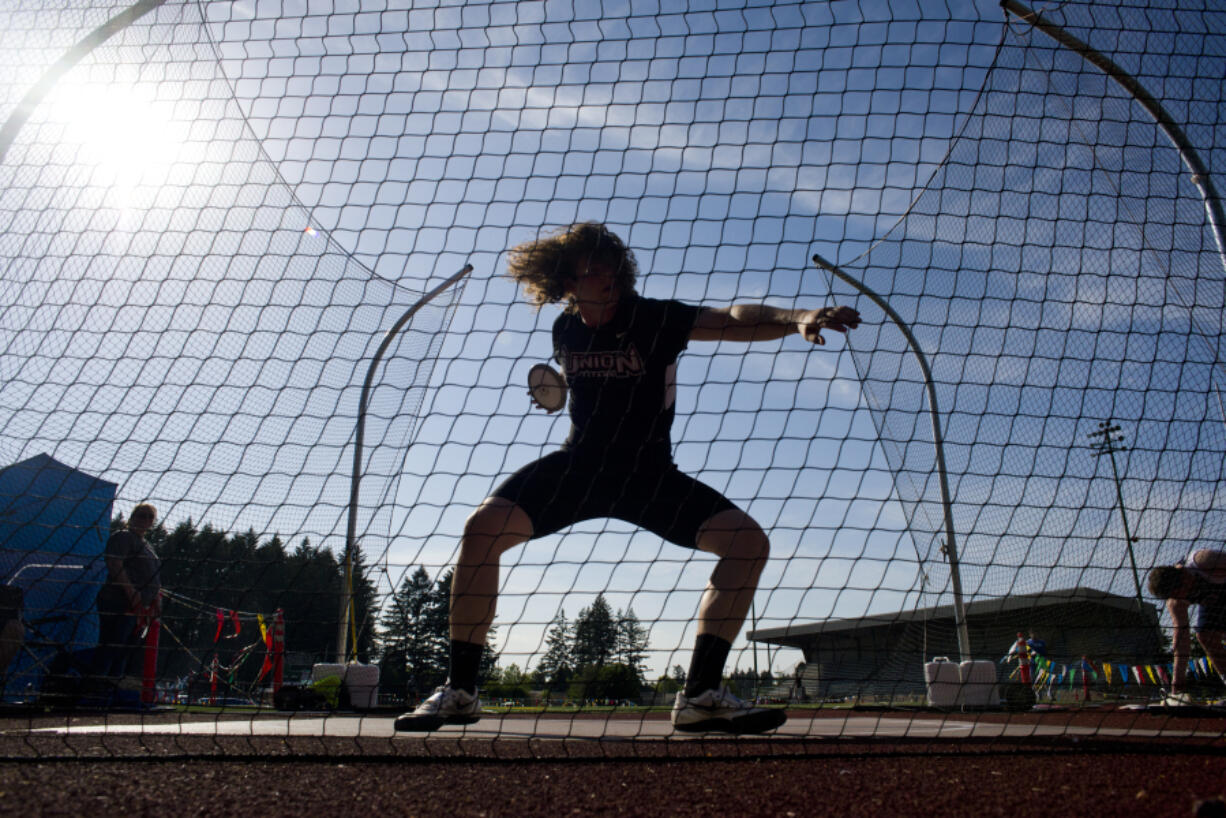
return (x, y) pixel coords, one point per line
(547, 387)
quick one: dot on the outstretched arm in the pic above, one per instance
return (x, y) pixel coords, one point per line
(760, 322)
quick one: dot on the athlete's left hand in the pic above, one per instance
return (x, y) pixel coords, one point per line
(839, 319)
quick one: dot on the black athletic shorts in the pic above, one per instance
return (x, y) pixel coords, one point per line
(564, 488)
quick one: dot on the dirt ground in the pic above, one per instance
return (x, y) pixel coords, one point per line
(183, 776)
(1009, 784)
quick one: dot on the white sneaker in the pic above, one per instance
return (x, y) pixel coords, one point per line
(1178, 700)
(447, 705)
(720, 711)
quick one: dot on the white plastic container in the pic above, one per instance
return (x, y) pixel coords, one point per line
(325, 669)
(978, 683)
(361, 681)
(941, 677)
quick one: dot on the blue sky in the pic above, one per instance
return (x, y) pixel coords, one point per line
(171, 322)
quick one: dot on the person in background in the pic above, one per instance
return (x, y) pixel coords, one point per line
(1038, 647)
(1199, 580)
(130, 597)
(1038, 650)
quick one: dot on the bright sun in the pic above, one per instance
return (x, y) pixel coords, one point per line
(128, 138)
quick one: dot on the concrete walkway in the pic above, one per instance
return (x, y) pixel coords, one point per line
(551, 727)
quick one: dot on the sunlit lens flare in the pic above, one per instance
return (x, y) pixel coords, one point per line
(128, 138)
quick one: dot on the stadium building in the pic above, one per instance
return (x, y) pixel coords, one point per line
(883, 655)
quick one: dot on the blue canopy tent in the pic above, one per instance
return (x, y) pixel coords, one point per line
(54, 523)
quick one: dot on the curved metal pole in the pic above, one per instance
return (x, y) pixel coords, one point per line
(70, 58)
(1200, 174)
(1191, 159)
(951, 549)
(346, 613)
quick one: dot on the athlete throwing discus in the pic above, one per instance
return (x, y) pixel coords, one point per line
(618, 352)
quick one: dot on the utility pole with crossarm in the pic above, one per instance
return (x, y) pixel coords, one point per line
(1109, 438)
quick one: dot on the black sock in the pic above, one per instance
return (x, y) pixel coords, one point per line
(707, 664)
(465, 665)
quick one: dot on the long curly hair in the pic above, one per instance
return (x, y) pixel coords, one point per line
(546, 267)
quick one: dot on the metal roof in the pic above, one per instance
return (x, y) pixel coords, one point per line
(978, 609)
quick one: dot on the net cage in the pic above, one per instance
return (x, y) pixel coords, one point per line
(214, 214)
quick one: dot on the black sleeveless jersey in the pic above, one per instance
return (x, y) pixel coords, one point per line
(622, 378)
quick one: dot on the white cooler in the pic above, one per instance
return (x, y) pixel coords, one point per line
(978, 684)
(361, 681)
(943, 681)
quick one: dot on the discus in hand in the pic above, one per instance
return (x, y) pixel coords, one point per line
(547, 387)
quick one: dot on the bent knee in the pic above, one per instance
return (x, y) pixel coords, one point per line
(497, 523)
(754, 544)
(735, 534)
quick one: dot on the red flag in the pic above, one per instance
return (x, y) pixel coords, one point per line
(266, 637)
(221, 620)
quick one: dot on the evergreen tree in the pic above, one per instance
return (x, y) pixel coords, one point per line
(673, 682)
(208, 573)
(436, 613)
(414, 652)
(557, 665)
(310, 600)
(438, 617)
(610, 683)
(595, 635)
(631, 645)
